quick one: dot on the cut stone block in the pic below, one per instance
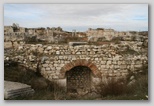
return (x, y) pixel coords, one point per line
(15, 89)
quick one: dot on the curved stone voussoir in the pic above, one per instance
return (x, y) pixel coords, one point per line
(80, 62)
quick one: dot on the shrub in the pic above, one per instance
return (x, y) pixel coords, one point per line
(112, 87)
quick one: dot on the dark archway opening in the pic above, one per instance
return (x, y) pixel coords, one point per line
(78, 78)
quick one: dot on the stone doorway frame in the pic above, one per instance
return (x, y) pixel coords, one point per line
(80, 62)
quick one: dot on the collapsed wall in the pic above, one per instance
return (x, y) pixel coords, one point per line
(15, 33)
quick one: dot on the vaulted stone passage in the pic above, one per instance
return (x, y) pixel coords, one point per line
(78, 78)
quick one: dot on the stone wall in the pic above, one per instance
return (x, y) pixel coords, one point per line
(105, 61)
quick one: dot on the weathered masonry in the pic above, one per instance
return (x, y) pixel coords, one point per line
(80, 67)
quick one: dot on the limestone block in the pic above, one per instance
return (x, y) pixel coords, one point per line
(124, 74)
(50, 78)
(119, 62)
(103, 66)
(118, 74)
(62, 52)
(15, 89)
(132, 62)
(111, 66)
(52, 68)
(49, 48)
(45, 65)
(107, 66)
(33, 48)
(116, 66)
(114, 62)
(128, 66)
(61, 57)
(103, 62)
(110, 59)
(46, 52)
(40, 50)
(113, 53)
(55, 77)
(123, 66)
(100, 59)
(58, 68)
(57, 52)
(108, 62)
(39, 45)
(116, 57)
(57, 72)
(55, 65)
(123, 62)
(88, 49)
(96, 59)
(124, 71)
(47, 69)
(78, 53)
(92, 53)
(31, 58)
(47, 62)
(109, 55)
(110, 74)
(137, 66)
(42, 69)
(138, 62)
(20, 48)
(57, 48)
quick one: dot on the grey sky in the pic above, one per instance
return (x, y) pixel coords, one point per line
(121, 17)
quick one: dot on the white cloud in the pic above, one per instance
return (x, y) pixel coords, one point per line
(80, 16)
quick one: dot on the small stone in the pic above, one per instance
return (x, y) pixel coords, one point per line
(7, 58)
(132, 77)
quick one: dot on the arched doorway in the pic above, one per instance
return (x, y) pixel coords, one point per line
(78, 78)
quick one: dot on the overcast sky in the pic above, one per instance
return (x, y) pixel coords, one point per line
(121, 17)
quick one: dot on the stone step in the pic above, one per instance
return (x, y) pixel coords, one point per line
(23, 93)
(15, 89)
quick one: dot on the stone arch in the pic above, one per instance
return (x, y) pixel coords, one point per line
(80, 62)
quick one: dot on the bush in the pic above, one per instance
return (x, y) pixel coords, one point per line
(112, 87)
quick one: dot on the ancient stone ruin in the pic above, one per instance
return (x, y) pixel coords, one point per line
(112, 55)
